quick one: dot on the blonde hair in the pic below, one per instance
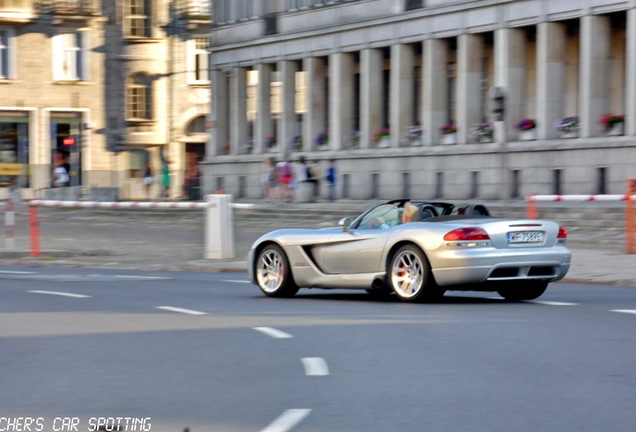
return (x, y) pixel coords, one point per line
(409, 212)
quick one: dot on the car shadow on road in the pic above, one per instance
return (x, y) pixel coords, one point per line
(372, 298)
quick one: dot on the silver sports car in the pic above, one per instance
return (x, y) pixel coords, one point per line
(444, 247)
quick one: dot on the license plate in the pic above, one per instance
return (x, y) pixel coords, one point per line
(520, 237)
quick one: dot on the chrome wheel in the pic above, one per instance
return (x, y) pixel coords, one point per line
(273, 273)
(407, 274)
(269, 271)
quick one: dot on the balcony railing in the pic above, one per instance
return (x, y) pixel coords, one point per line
(68, 7)
(195, 10)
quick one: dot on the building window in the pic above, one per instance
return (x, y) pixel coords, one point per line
(6, 54)
(139, 160)
(198, 59)
(139, 97)
(138, 18)
(413, 4)
(70, 55)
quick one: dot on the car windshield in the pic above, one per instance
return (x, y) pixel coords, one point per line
(381, 217)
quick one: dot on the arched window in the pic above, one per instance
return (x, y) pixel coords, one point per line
(139, 97)
(196, 126)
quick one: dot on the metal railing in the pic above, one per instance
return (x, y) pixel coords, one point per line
(68, 7)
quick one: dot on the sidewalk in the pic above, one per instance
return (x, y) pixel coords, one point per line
(173, 240)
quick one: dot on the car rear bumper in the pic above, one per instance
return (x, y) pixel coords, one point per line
(455, 266)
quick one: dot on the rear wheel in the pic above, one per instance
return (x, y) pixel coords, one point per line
(526, 290)
(409, 275)
(273, 273)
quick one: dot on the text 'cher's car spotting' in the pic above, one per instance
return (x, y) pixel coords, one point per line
(442, 247)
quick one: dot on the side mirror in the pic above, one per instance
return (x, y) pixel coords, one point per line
(345, 223)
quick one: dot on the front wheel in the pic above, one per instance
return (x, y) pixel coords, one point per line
(273, 273)
(410, 276)
(527, 290)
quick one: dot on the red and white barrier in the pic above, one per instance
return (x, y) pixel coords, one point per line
(219, 237)
(629, 197)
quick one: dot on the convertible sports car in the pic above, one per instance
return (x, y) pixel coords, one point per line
(444, 247)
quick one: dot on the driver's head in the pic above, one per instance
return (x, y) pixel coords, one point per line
(409, 212)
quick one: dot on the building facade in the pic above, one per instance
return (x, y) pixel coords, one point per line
(105, 88)
(429, 99)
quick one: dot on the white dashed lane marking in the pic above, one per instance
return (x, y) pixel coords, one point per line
(15, 272)
(552, 303)
(287, 420)
(627, 311)
(272, 332)
(315, 366)
(181, 310)
(62, 294)
(238, 281)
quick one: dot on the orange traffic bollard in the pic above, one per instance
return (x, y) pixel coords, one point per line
(34, 229)
(532, 207)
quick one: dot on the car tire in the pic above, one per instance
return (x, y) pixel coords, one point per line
(527, 290)
(273, 273)
(409, 275)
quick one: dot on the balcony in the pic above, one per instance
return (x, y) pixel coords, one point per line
(68, 9)
(196, 13)
(16, 11)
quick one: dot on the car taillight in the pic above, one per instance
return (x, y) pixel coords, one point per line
(466, 234)
(563, 233)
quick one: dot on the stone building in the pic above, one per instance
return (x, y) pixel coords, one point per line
(402, 94)
(103, 87)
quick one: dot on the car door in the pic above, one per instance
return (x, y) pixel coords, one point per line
(359, 249)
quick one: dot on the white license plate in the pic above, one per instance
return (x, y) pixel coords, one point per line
(520, 237)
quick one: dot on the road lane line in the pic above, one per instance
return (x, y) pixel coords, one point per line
(181, 310)
(57, 293)
(141, 277)
(238, 281)
(627, 311)
(15, 272)
(272, 332)
(287, 420)
(552, 303)
(315, 366)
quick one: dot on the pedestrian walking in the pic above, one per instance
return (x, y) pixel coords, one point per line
(285, 178)
(148, 179)
(268, 178)
(60, 176)
(331, 179)
(165, 179)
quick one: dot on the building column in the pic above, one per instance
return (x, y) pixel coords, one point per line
(315, 120)
(510, 75)
(470, 53)
(264, 126)
(595, 46)
(238, 110)
(219, 114)
(371, 86)
(402, 88)
(341, 99)
(630, 97)
(287, 121)
(550, 77)
(434, 88)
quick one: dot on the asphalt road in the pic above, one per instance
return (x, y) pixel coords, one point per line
(170, 350)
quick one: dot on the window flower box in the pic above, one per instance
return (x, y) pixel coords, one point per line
(527, 129)
(568, 126)
(613, 124)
